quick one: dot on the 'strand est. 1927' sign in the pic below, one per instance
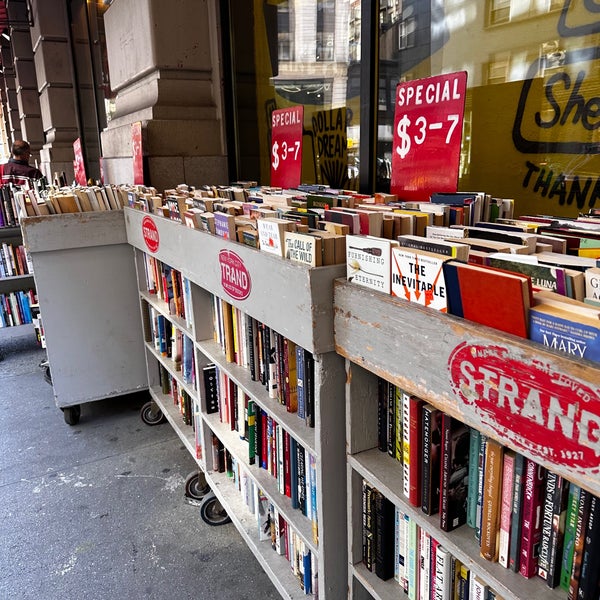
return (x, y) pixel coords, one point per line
(551, 415)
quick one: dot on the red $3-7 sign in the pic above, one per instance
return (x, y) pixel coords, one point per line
(286, 146)
(427, 135)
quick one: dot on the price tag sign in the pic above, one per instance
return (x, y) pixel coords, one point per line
(286, 146)
(427, 136)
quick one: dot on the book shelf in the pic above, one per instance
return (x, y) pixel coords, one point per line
(424, 352)
(294, 300)
(85, 280)
(10, 284)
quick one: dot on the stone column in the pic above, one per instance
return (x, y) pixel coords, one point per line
(25, 78)
(9, 96)
(164, 63)
(49, 37)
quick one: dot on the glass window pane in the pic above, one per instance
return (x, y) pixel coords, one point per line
(299, 52)
(532, 117)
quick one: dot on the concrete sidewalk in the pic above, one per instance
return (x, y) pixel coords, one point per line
(96, 511)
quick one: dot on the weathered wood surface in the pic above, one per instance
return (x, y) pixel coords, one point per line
(541, 403)
(296, 301)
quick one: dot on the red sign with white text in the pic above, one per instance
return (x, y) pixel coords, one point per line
(286, 146)
(136, 153)
(78, 163)
(235, 278)
(150, 234)
(550, 414)
(427, 136)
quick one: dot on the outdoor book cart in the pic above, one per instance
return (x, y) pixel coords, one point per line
(86, 284)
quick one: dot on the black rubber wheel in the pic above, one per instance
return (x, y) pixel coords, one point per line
(212, 512)
(151, 414)
(72, 414)
(196, 486)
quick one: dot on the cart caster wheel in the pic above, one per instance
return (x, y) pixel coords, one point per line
(72, 414)
(212, 512)
(151, 414)
(196, 486)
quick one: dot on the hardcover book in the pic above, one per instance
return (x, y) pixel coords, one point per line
(583, 514)
(589, 577)
(454, 483)
(384, 537)
(556, 545)
(569, 537)
(565, 331)
(473, 294)
(443, 246)
(531, 528)
(368, 262)
(303, 248)
(271, 232)
(418, 276)
(508, 479)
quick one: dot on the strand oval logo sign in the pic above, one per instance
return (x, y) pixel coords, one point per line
(150, 234)
(550, 414)
(235, 278)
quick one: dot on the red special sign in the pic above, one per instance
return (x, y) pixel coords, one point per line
(550, 414)
(150, 233)
(427, 136)
(235, 278)
(286, 146)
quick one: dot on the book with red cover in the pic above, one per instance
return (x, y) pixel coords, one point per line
(489, 296)
(531, 528)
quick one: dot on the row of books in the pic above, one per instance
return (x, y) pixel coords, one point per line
(9, 211)
(524, 516)
(15, 308)
(559, 311)
(14, 261)
(284, 368)
(395, 546)
(169, 285)
(271, 527)
(62, 200)
(270, 446)
(309, 224)
(181, 398)
(172, 343)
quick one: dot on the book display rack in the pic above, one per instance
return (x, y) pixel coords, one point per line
(17, 288)
(84, 269)
(240, 357)
(533, 401)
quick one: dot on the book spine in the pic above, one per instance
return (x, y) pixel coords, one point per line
(403, 535)
(413, 560)
(480, 481)
(589, 579)
(382, 398)
(546, 536)
(384, 537)
(531, 527)
(426, 460)
(397, 423)
(443, 574)
(583, 513)
(491, 496)
(406, 444)
(368, 526)
(300, 382)
(416, 429)
(514, 551)
(474, 436)
(424, 564)
(559, 517)
(391, 420)
(569, 537)
(508, 475)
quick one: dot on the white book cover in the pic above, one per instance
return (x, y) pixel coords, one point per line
(419, 277)
(368, 261)
(443, 574)
(592, 283)
(424, 564)
(443, 233)
(270, 236)
(402, 554)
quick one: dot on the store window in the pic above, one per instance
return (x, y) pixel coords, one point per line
(290, 53)
(532, 117)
